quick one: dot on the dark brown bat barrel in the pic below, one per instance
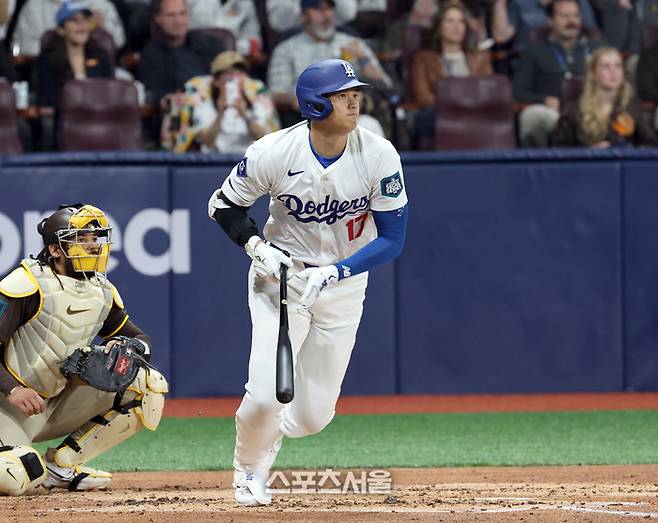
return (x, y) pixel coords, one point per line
(285, 388)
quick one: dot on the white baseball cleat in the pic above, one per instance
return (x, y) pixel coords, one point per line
(251, 489)
(76, 478)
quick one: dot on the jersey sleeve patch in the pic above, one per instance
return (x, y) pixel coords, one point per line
(3, 307)
(392, 185)
(242, 168)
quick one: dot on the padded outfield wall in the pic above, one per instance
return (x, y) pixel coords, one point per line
(523, 271)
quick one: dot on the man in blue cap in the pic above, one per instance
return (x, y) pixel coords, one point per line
(38, 16)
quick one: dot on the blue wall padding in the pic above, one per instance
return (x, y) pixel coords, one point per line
(524, 271)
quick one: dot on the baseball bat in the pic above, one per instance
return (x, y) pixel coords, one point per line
(285, 388)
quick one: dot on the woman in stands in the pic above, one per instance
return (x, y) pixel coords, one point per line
(69, 54)
(607, 114)
(450, 55)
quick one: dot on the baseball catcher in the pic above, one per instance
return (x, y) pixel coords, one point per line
(54, 382)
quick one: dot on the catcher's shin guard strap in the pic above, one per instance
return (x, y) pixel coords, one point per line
(143, 408)
(70, 442)
(93, 438)
(76, 481)
(21, 468)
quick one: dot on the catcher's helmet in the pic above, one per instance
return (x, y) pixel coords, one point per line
(320, 79)
(74, 228)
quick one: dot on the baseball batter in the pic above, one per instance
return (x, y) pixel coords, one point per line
(338, 207)
(49, 306)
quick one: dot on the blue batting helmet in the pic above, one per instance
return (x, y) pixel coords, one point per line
(320, 79)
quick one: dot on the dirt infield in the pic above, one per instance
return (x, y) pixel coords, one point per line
(547, 494)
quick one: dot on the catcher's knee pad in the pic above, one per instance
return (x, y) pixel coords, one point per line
(21, 468)
(141, 406)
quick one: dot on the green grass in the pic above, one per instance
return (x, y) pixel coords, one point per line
(413, 440)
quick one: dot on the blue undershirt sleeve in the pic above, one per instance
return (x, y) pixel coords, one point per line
(391, 233)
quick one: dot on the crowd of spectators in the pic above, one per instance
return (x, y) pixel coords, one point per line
(214, 75)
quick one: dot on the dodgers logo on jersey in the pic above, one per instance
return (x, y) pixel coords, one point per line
(349, 72)
(392, 185)
(328, 211)
(242, 168)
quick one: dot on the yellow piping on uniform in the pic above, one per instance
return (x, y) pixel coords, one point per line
(31, 277)
(117, 329)
(117, 297)
(20, 380)
(34, 281)
(136, 410)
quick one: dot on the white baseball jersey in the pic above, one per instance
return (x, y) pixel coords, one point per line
(320, 216)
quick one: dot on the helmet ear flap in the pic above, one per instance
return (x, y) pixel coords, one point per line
(318, 107)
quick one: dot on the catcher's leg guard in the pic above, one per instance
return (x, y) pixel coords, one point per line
(141, 406)
(21, 468)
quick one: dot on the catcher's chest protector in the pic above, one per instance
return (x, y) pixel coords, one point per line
(68, 318)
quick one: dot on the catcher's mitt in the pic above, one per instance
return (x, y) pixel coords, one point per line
(112, 371)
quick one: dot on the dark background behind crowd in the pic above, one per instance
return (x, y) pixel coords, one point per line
(214, 75)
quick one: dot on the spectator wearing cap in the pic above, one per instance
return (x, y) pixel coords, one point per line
(38, 16)
(174, 55)
(70, 54)
(234, 109)
(318, 41)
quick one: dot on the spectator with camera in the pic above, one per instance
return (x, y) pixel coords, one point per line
(234, 111)
(542, 67)
(607, 114)
(450, 55)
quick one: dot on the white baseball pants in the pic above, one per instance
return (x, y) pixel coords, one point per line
(322, 340)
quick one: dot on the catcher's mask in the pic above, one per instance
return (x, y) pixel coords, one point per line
(83, 233)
